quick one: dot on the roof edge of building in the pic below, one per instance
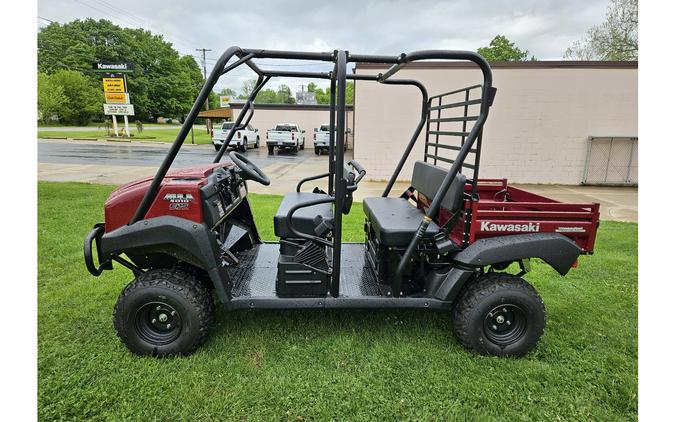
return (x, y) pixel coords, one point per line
(539, 64)
(239, 106)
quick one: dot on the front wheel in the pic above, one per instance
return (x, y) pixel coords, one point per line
(499, 314)
(303, 145)
(257, 143)
(164, 312)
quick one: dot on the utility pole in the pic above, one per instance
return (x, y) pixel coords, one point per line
(204, 50)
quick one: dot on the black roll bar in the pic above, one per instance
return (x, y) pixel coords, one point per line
(486, 99)
(340, 184)
(203, 96)
(262, 80)
(331, 138)
(338, 79)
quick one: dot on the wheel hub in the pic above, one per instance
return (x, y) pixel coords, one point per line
(505, 324)
(158, 323)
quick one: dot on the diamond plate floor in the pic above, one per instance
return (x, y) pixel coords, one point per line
(255, 275)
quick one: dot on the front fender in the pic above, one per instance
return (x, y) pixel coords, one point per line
(183, 239)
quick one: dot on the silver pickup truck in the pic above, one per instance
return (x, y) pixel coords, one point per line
(287, 136)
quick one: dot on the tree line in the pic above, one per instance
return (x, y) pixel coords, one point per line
(166, 83)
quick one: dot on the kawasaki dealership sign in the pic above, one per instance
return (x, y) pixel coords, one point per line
(113, 67)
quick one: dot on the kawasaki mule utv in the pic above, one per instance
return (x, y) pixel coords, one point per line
(450, 242)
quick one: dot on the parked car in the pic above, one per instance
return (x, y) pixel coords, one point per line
(286, 135)
(322, 139)
(243, 139)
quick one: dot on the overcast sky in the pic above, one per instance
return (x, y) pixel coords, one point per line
(544, 27)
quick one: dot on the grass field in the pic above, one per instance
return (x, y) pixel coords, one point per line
(157, 135)
(303, 365)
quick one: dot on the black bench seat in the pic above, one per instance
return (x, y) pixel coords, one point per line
(303, 218)
(395, 220)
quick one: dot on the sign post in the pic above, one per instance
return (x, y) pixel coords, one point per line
(117, 100)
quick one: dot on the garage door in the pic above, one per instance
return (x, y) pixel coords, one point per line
(611, 161)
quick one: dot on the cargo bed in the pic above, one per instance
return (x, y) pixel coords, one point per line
(502, 210)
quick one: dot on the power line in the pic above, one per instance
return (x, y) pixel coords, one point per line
(45, 19)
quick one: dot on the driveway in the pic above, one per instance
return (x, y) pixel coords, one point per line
(117, 163)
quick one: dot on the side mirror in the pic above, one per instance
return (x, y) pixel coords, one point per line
(255, 130)
(316, 129)
(348, 131)
(303, 131)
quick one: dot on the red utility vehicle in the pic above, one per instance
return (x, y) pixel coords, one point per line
(446, 243)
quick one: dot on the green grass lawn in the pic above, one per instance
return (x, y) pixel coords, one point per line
(321, 365)
(158, 135)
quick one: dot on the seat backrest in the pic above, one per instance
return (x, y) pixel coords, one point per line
(427, 179)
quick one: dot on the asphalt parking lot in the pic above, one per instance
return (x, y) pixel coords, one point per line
(118, 163)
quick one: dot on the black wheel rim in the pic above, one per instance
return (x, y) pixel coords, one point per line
(505, 324)
(158, 323)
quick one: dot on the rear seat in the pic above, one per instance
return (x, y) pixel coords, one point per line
(395, 220)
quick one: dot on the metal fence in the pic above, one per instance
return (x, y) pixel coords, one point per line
(611, 160)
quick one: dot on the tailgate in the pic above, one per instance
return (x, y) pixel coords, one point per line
(322, 138)
(278, 135)
(504, 210)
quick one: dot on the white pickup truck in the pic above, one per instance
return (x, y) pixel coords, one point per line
(285, 135)
(322, 139)
(242, 139)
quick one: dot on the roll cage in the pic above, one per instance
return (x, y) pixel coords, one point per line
(338, 182)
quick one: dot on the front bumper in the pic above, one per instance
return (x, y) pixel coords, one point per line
(95, 236)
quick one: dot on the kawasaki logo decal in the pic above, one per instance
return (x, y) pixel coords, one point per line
(179, 201)
(178, 197)
(486, 226)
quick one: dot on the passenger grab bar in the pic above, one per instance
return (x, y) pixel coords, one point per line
(307, 179)
(359, 169)
(294, 208)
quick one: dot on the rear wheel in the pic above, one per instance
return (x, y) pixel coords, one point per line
(317, 151)
(244, 145)
(164, 312)
(499, 314)
(216, 147)
(270, 149)
(303, 145)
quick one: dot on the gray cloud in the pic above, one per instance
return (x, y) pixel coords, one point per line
(544, 27)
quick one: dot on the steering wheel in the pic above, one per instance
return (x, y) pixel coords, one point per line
(250, 170)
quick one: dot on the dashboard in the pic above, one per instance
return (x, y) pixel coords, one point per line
(222, 194)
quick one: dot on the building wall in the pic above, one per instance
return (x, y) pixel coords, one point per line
(306, 117)
(537, 130)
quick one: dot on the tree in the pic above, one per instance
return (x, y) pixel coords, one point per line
(323, 96)
(83, 99)
(50, 97)
(266, 96)
(162, 84)
(501, 49)
(247, 87)
(284, 95)
(615, 39)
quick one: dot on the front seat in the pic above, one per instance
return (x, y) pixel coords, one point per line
(305, 219)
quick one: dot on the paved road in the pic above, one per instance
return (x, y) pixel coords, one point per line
(148, 155)
(90, 128)
(117, 163)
